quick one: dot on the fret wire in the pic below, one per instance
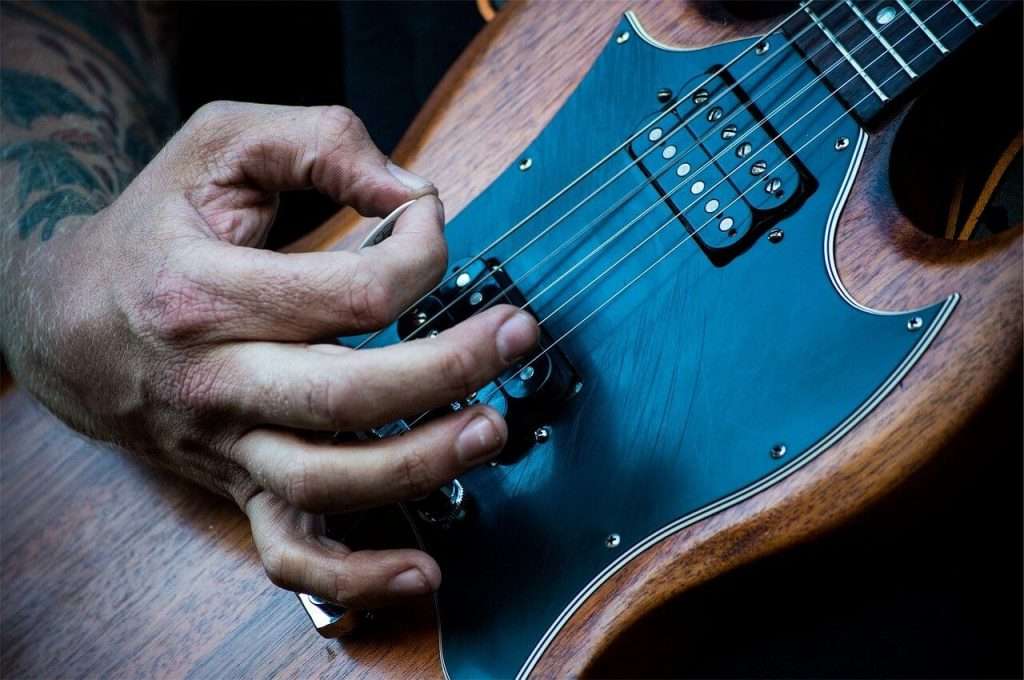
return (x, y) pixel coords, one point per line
(924, 29)
(967, 13)
(846, 55)
(885, 43)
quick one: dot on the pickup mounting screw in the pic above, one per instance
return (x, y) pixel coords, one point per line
(762, 47)
(700, 96)
(526, 164)
(664, 95)
(542, 434)
(915, 323)
(622, 37)
(758, 168)
(612, 541)
(777, 451)
(842, 143)
(775, 235)
(773, 186)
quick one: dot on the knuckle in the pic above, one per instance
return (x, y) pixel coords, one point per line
(456, 365)
(415, 475)
(343, 586)
(369, 301)
(277, 560)
(301, 485)
(179, 308)
(337, 124)
(199, 386)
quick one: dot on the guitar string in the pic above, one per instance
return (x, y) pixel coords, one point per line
(636, 189)
(661, 200)
(665, 255)
(683, 210)
(593, 168)
(642, 185)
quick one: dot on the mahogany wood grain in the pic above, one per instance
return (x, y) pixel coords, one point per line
(111, 569)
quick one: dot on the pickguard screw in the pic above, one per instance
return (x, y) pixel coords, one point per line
(775, 235)
(622, 37)
(842, 143)
(613, 541)
(762, 47)
(915, 323)
(700, 96)
(542, 434)
(664, 95)
(777, 451)
(525, 164)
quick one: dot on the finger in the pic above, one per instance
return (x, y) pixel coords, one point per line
(337, 388)
(279, 148)
(254, 294)
(295, 557)
(319, 477)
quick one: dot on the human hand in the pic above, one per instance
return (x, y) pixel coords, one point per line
(160, 325)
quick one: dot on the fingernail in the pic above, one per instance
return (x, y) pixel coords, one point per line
(478, 441)
(516, 336)
(409, 179)
(409, 582)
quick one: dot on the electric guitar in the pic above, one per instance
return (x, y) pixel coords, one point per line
(745, 342)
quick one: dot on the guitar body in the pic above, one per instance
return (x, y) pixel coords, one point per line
(730, 403)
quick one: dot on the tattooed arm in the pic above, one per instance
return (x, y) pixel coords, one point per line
(86, 103)
(143, 312)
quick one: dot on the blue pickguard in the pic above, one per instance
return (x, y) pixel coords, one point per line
(689, 378)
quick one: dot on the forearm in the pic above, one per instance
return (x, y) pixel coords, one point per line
(86, 102)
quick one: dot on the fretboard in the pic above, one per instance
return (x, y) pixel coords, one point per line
(873, 51)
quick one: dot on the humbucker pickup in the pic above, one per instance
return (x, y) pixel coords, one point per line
(721, 168)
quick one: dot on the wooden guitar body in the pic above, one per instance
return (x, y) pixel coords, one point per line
(861, 344)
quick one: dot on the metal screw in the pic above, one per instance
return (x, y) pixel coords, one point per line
(715, 114)
(762, 47)
(773, 186)
(542, 434)
(775, 235)
(577, 388)
(729, 132)
(758, 168)
(777, 451)
(700, 96)
(462, 280)
(744, 149)
(476, 298)
(421, 317)
(622, 37)
(842, 143)
(915, 323)
(526, 373)
(885, 15)
(525, 164)
(613, 541)
(664, 95)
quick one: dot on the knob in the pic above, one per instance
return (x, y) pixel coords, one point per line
(444, 506)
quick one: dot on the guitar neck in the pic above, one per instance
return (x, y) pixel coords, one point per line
(871, 52)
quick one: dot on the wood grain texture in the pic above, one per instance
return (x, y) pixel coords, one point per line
(111, 569)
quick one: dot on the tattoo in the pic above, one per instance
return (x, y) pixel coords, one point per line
(77, 130)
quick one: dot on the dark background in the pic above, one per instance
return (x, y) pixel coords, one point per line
(926, 585)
